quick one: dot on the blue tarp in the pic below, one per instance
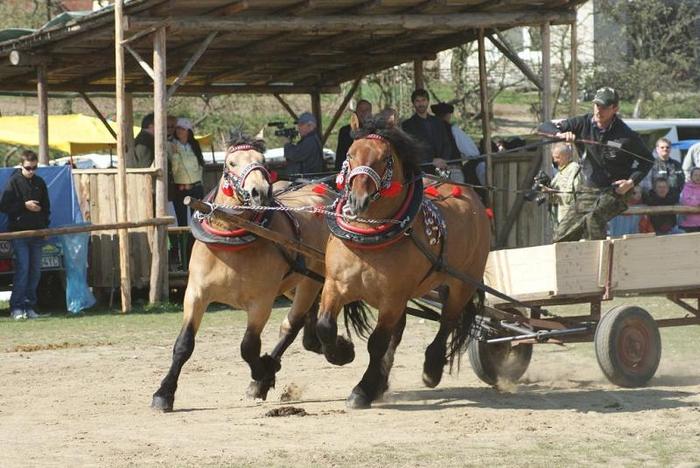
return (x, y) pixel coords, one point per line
(684, 144)
(65, 208)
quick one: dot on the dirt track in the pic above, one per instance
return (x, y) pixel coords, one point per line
(88, 405)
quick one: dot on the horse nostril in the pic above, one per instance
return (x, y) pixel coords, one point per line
(254, 193)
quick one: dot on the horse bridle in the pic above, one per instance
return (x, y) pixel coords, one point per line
(235, 182)
(383, 182)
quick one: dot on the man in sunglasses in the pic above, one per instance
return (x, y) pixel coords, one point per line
(26, 203)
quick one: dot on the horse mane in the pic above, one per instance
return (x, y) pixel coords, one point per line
(241, 139)
(409, 150)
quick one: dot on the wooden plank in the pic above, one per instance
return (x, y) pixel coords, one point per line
(43, 97)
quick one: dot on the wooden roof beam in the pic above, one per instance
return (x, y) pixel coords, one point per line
(349, 23)
(502, 44)
(147, 88)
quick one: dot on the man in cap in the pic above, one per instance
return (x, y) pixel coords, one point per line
(363, 110)
(429, 130)
(609, 169)
(305, 157)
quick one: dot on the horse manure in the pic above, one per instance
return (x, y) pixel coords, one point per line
(286, 411)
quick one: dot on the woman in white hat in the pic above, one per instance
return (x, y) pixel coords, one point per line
(186, 163)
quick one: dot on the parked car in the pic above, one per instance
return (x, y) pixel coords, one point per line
(676, 130)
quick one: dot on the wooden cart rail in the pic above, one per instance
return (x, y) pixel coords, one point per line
(85, 228)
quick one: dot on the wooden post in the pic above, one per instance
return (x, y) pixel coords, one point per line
(573, 86)
(341, 109)
(159, 249)
(485, 111)
(129, 127)
(97, 113)
(546, 114)
(316, 110)
(286, 106)
(418, 80)
(122, 151)
(42, 95)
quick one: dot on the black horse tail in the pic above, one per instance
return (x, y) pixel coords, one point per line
(359, 315)
(465, 330)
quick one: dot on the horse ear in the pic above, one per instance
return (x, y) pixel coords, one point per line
(354, 122)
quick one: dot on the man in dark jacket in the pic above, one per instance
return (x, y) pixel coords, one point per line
(609, 170)
(26, 203)
(363, 110)
(429, 130)
(305, 157)
(144, 144)
(665, 168)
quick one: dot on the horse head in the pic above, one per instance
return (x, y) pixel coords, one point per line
(245, 176)
(380, 163)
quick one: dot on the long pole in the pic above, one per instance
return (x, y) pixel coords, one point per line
(573, 86)
(159, 250)
(485, 111)
(122, 151)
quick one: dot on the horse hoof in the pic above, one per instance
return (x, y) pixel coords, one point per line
(432, 375)
(163, 404)
(343, 352)
(271, 365)
(311, 343)
(259, 389)
(358, 399)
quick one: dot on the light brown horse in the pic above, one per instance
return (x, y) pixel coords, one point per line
(250, 272)
(387, 265)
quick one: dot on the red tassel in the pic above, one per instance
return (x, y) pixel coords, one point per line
(432, 191)
(227, 190)
(273, 176)
(320, 189)
(489, 213)
(392, 190)
(456, 192)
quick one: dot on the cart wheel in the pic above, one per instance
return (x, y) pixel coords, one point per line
(628, 346)
(497, 362)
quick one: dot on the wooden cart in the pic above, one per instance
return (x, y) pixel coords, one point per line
(626, 338)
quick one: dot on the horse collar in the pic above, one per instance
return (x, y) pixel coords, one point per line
(382, 235)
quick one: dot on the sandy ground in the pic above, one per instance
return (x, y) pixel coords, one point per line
(89, 406)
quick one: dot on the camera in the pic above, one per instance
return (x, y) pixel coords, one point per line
(535, 193)
(282, 131)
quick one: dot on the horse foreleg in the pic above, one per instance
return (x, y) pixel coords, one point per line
(194, 307)
(454, 302)
(262, 368)
(381, 346)
(337, 349)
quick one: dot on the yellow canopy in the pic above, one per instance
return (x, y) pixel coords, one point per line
(72, 134)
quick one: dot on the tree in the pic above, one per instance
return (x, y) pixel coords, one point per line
(660, 37)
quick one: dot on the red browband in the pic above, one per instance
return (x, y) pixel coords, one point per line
(374, 136)
(241, 148)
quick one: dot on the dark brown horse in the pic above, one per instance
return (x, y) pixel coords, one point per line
(248, 273)
(387, 264)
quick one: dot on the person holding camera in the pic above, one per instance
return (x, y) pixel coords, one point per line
(305, 157)
(562, 189)
(26, 203)
(609, 169)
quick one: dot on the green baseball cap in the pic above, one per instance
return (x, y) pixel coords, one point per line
(606, 97)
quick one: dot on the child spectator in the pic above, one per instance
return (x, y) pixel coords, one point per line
(661, 195)
(691, 197)
(621, 225)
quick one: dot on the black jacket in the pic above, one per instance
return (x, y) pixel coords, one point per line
(306, 156)
(432, 132)
(19, 189)
(344, 143)
(603, 165)
(662, 223)
(670, 170)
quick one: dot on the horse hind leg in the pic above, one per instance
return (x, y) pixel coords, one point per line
(457, 317)
(194, 307)
(381, 346)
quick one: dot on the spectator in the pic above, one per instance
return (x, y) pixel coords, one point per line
(608, 170)
(627, 224)
(390, 116)
(186, 163)
(462, 146)
(665, 167)
(428, 129)
(144, 144)
(661, 195)
(565, 183)
(26, 203)
(692, 159)
(363, 110)
(305, 157)
(171, 122)
(690, 196)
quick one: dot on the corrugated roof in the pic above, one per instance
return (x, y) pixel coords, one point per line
(265, 45)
